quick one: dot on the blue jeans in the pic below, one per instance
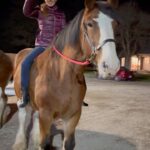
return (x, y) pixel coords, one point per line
(25, 72)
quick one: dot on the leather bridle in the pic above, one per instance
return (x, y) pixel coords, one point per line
(92, 48)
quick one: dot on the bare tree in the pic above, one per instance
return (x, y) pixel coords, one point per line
(129, 35)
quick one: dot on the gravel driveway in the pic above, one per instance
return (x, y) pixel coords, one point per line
(118, 118)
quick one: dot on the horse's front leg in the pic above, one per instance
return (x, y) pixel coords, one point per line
(69, 131)
(4, 109)
(21, 142)
(41, 128)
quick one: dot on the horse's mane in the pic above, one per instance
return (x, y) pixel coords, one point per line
(70, 34)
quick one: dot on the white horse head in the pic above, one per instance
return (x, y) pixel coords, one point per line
(107, 62)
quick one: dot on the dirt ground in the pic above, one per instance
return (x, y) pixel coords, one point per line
(118, 117)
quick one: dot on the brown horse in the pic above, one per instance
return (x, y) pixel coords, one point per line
(6, 71)
(57, 84)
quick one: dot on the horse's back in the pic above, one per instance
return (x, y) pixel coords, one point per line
(21, 55)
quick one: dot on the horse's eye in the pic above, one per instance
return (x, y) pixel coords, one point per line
(90, 24)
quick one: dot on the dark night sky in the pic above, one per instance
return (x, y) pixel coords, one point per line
(7, 5)
(143, 4)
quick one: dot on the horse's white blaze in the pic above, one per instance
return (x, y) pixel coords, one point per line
(109, 55)
(36, 130)
(20, 141)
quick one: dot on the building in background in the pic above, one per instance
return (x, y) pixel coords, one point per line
(139, 62)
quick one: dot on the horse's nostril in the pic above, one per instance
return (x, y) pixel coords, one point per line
(105, 66)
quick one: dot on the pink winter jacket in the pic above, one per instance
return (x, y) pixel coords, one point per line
(49, 25)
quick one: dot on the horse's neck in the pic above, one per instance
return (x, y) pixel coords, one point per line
(43, 58)
(55, 63)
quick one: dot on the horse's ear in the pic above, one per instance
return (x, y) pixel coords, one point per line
(113, 3)
(89, 4)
